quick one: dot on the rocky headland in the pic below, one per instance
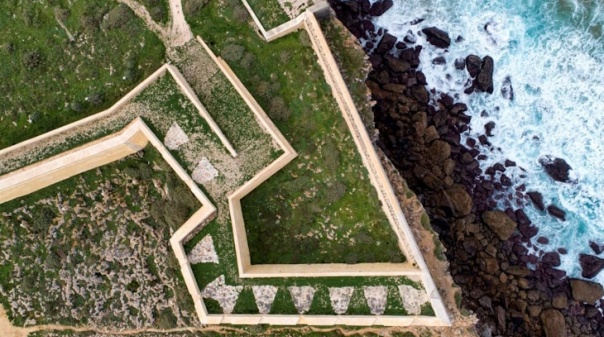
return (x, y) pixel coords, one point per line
(486, 245)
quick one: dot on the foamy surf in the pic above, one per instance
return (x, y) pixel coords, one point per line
(552, 53)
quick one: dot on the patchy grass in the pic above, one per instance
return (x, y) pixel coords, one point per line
(106, 230)
(50, 81)
(269, 12)
(321, 208)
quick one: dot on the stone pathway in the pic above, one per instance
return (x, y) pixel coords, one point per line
(302, 297)
(264, 295)
(413, 299)
(204, 251)
(224, 294)
(376, 299)
(340, 299)
(175, 137)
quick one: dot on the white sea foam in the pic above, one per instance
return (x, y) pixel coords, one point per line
(553, 55)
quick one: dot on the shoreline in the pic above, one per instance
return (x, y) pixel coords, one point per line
(485, 246)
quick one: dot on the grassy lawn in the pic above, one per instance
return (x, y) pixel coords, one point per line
(50, 80)
(321, 208)
(103, 234)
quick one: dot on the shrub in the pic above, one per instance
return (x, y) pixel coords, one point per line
(331, 155)
(284, 56)
(158, 14)
(76, 106)
(32, 59)
(192, 7)
(240, 14)
(264, 89)
(61, 14)
(118, 17)
(247, 61)
(96, 98)
(166, 319)
(335, 192)
(232, 52)
(278, 110)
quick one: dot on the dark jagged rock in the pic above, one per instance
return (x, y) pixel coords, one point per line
(499, 223)
(553, 323)
(586, 291)
(460, 199)
(420, 93)
(537, 200)
(439, 60)
(386, 44)
(556, 168)
(507, 91)
(460, 64)
(590, 265)
(473, 63)
(380, 7)
(488, 128)
(484, 80)
(597, 248)
(437, 37)
(551, 258)
(556, 212)
(396, 64)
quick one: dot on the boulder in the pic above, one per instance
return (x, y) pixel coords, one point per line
(553, 323)
(386, 44)
(484, 80)
(559, 301)
(586, 291)
(437, 37)
(537, 200)
(597, 248)
(473, 63)
(460, 64)
(420, 93)
(396, 64)
(380, 7)
(439, 151)
(460, 200)
(590, 265)
(556, 212)
(556, 168)
(551, 258)
(499, 223)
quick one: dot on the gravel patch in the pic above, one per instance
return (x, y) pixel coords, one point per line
(204, 172)
(204, 251)
(376, 299)
(340, 299)
(302, 297)
(175, 137)
(224, 294)
(264, 295)
(413, 299)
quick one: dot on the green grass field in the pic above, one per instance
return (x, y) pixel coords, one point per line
(50, 80)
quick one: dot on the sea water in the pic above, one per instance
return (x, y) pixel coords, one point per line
(553, 52)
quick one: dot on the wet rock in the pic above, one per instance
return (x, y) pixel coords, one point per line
(437, 37)
(473, 63)
(586, 291)
(439, 60)
(507, 91)
(380, 7)
(484, 80)
(537, 200)
(553, 323)
(499, 223)
(556, 212)
(590, 265)
(460, 64)
(551, 258)
(420, 93)
(597, 248)
(396, 64)
(386, 44)
(559, 301)
(556, 168)
(488, 128)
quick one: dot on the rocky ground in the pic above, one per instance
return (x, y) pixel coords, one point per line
(486, 247)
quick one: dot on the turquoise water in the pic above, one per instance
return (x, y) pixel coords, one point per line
(553, 51)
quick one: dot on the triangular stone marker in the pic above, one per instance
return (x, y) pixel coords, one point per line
(302, 297)
(224, 294)
(175, 137)
(204, 172)
(376, 299)
(340, 299)
(264, 296)
(412, 298)
(204, 251)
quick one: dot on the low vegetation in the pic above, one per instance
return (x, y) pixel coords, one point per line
(269, 12)
(48, 77)
(321, 208)
(94, 249)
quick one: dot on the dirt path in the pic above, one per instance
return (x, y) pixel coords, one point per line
(176, 32)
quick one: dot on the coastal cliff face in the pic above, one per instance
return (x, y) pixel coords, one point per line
(420, 132)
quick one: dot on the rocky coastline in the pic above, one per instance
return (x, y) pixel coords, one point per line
(420, 132)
